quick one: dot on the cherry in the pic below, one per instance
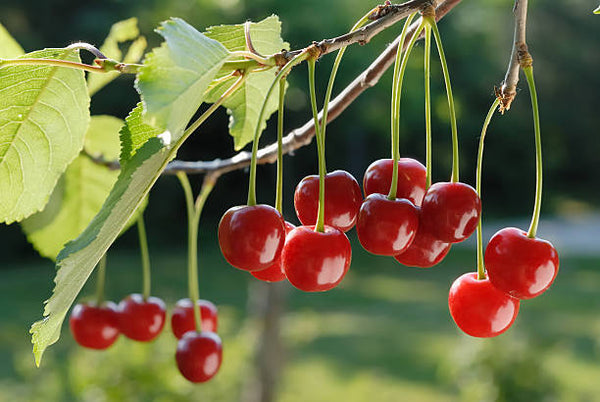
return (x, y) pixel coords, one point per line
(275, 272)
(521, 266)
(342, 200)
(386, 227)
(182, 319)
(95, 327)
(479, 309)
(411, 179)
(251, 237)
(139, 319)
(199, 355)
(316, 261)
(450, 211)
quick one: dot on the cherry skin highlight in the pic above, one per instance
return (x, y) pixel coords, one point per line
(95, 327)
(521, 266)
(411, 179)
(139, 319)
(450, 211)
(182, 318)
(316, 261)
(342, 200)
(199, 355)
(386, 227)
(479, 309)
(251, 237)
(275, 272)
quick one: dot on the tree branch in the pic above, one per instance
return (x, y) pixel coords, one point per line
(303, 135)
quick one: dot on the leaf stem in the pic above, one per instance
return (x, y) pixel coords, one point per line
(145, 256)
(427, 73)
(100, 281)
(537, 208)
(486, 123)
(50, 62)
(279, 193)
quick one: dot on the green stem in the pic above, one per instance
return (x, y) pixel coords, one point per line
(282, 73)
(50, 62)
(438, 41)
(100, 281)
(145, 256)
(279, 194)
(537, 208)
(427, 70)
(399, 71)
(486, 123)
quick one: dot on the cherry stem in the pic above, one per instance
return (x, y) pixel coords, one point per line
(399, 70)
(427, 73)
(438, 41)
(486, 123)
(537, 208)
(194, 210)
(100, 281)
(279, 194)
(282, 73)
(145, 256)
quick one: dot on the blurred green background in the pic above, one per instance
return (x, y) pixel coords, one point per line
(385, 334)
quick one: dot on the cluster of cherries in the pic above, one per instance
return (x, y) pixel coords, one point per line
(199, 353)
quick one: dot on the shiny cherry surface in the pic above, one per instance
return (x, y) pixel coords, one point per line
(342, 200)
(275, 272)
(251, 237)
(411, 179)
(386, 227)
(450, 211)
(95, 327)
(139, 319)
(521, 266)
(315, 261)
(199, 355)
(183, 320)
(479, 309)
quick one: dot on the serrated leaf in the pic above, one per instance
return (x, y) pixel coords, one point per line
(244, 106)
(9, 47)
(122, 31)
(135, 133)
(80, 192)
(44, 114)
(175, 76)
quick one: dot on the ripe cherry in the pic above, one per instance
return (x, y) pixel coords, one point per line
(275, 272)
(316, 261)
(342, 200)
(95, 327)
(521, 266)
(199, 355)
(479, 309)
(386, 227)
(182, 319)
(139, 319)
(450, 211)
(411, 179)
(251, 237)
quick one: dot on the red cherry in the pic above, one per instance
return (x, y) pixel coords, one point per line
(479, 309)
(95, 327)
(315, 261)
(411, 179)
(251, 237)
(182, 319)
(139, 319)
(342, 200)
(199, 355)
(518, 265)
(450, 211)
(425, 251)
(386, 227)
(275, 272)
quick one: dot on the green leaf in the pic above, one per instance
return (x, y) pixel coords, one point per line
(122, 31)
(597, 11)
(80, 192)
(9, 47)
(44, 114)
(244, 106)
(135, 133)
(175, 76)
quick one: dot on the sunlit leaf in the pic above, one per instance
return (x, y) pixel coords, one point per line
(9, 47)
